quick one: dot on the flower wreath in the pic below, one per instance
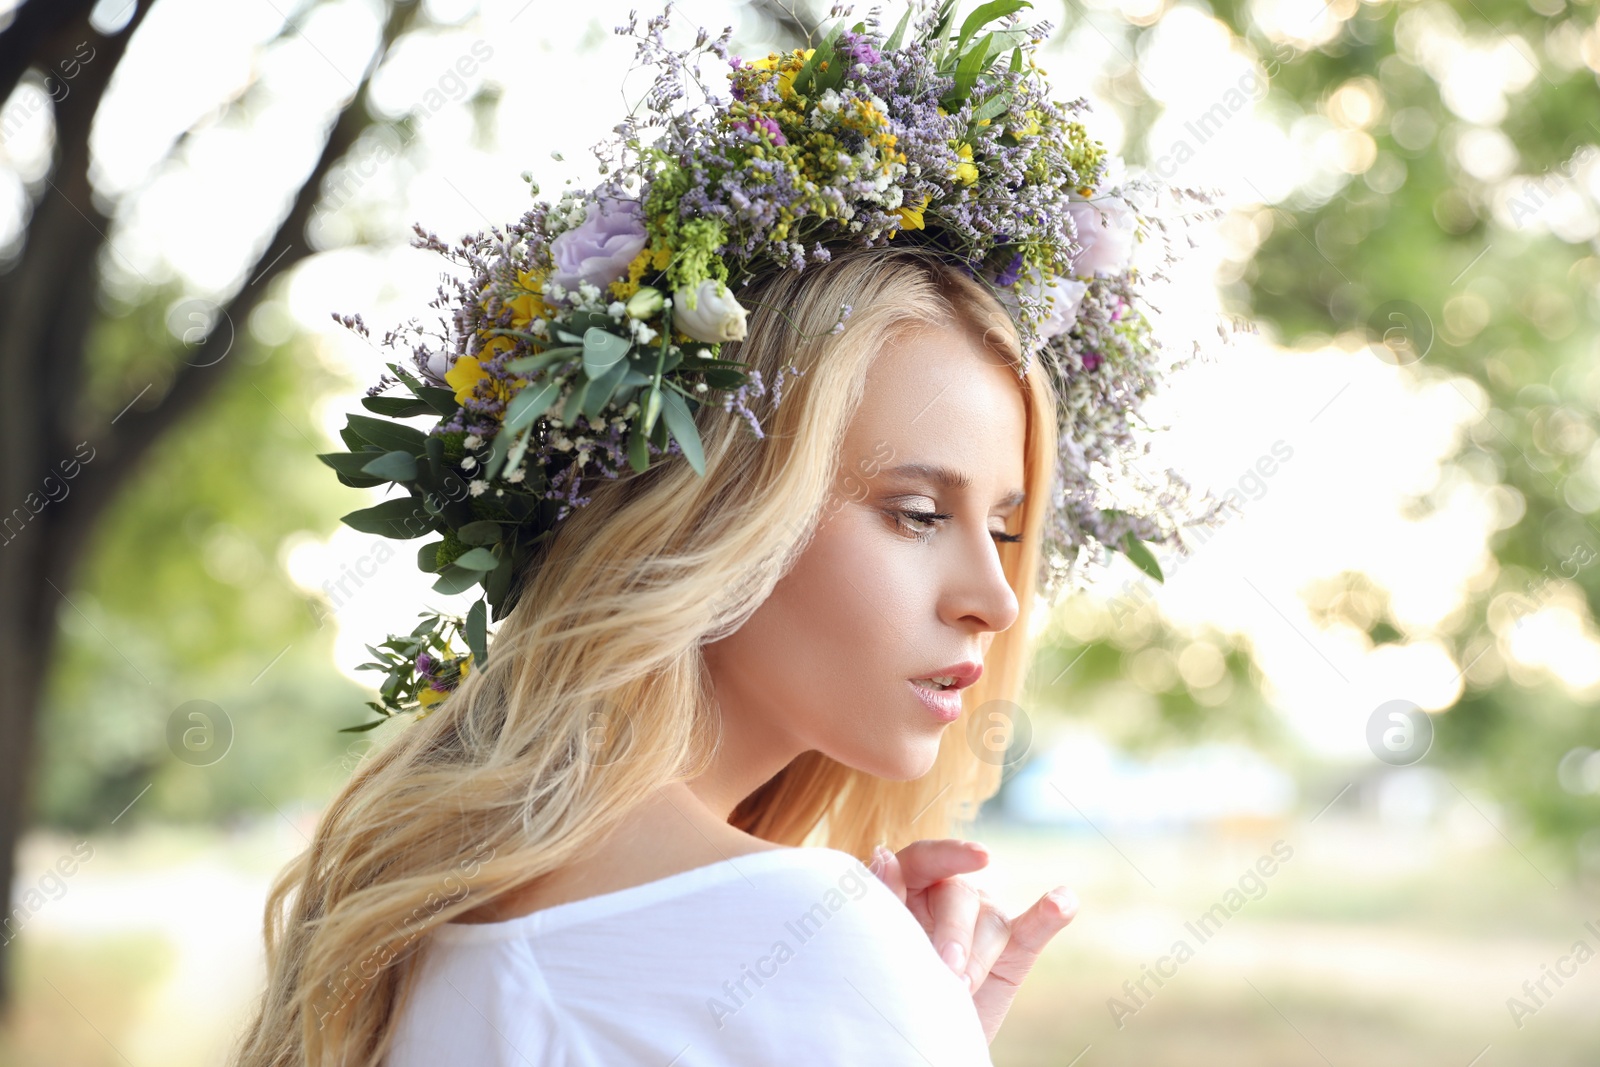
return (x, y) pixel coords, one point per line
(583, 337)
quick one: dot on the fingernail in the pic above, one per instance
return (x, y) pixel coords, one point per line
(967, 978)
(955, 957)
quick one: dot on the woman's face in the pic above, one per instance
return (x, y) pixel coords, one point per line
(901, 581)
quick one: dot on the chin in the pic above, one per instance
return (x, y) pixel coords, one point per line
(903, 764)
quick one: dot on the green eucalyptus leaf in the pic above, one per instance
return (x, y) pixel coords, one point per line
(601, 391)
(482, 532)
(602, 351)
(529, 404)
(454, 579)
(398, 407)
(374, 724)
(681, 423)
(477, 634)
(389, 436)
(401, 518)
(428, 557)
(442, 401)
(393, 467)
(638, 448)
(478, 559)
(574, 403)
(540, 360)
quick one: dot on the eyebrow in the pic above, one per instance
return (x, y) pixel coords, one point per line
(952, 480)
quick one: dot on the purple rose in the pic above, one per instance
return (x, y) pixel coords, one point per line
(1105, 230)
(599, 249)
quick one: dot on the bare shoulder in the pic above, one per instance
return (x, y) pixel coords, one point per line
(656, 842)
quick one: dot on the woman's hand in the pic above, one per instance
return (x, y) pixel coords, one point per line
(974, 937)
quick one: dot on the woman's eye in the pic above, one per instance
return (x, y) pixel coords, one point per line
(923, 523)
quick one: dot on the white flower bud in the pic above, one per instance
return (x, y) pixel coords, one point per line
(715, 315)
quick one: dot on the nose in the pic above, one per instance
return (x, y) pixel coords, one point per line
(977, 595)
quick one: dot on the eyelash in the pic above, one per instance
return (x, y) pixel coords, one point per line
(934, 516)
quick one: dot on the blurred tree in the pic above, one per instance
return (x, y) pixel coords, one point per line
(1450, 220)
(72, 450)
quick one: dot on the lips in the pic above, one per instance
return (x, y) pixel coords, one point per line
(955, 676)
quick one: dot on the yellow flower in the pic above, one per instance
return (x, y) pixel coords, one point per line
(464, 377)
(792, 62)
(967, 172)
(623, 288)
(468, 372)
(1032, 128)
(530, 305)
(911, 217)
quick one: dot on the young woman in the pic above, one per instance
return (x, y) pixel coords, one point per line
(636, 837)
(633, 831)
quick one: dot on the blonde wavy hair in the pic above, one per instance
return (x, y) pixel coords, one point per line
(595, 693)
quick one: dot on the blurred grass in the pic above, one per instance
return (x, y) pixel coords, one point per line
(1368, 947)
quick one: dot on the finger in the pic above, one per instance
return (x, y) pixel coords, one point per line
(990, 936)
(1030, 933)
(933, 859)
(953, 906)
(887, 867)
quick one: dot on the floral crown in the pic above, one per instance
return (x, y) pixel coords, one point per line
(583, 338)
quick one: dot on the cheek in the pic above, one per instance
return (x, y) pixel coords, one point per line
(832, 639)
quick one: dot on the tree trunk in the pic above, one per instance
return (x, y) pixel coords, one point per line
(60, 476)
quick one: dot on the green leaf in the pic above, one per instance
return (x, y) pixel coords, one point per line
(899, 32)
(477, 634)
(393, 467)
(478, 559)
(499, 581)
(947, 15)
(401, 518)
(638, 448)
(1140, 556)
(428, 556)
(497, 453)
(681, 423)
(364, 726)
(601, 390)
(529, 404)
(518, 450)
(399, 407)
(349, 465)
(482, 532)
(574, 403)
(602, 351)
(967, 70)
(819, 55)
(454, 579)
(985, 14)
(389, 436)
(540, 360)
(442, 401)
(995, 105)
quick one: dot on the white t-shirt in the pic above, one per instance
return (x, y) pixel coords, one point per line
(785, 956)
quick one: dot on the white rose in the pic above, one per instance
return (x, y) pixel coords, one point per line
(1062, 297)
(715, 316)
